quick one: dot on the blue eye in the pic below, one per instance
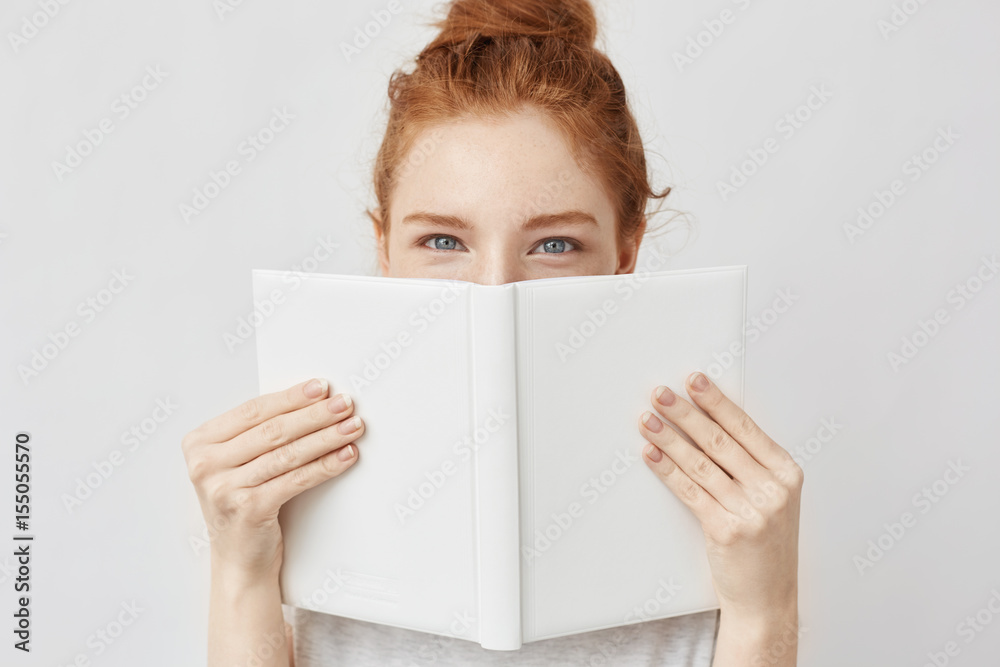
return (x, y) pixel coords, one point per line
(555, 246)
(442, 243)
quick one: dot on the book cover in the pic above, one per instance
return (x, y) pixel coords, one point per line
(499, 496)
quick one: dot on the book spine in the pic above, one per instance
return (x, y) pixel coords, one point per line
(494, 419)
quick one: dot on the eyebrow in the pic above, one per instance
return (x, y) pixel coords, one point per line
(534, 223)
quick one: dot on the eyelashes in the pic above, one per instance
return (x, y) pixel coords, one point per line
(561, 242)
(424, 241)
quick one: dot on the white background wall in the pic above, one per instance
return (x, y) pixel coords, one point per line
(826, 358)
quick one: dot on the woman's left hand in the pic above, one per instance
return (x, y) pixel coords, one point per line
(750, 516)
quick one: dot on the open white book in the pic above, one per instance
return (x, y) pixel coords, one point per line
(500, 495)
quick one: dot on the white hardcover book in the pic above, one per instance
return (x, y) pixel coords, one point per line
(500, 495)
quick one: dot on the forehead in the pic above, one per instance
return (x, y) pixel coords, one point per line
(513, 164)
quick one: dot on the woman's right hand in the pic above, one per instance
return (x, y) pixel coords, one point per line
(246, 463)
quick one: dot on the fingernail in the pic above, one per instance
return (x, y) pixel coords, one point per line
(654, 453)
(346, 453)
(699, 382)
(315, 388)
(349, 426)
(339, 403)
(651, 422)
(664, 396)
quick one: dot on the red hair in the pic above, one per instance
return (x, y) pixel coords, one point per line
(493, 58)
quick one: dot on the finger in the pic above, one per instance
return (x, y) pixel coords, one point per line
(284, 429)
(258, 410)
(283, 488)
(698, 467)
(702, 504)
(298, 452)
(737, 423)
(708, 435)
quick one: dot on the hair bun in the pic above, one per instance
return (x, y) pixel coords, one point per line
(573, 21)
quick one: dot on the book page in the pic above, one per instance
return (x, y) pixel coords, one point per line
(391, 540)
(604, 541)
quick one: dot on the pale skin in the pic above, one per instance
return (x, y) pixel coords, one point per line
(496, 201)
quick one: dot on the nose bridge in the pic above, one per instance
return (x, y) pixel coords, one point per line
(496, 265)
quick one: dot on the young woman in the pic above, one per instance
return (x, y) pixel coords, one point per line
(510, 154)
